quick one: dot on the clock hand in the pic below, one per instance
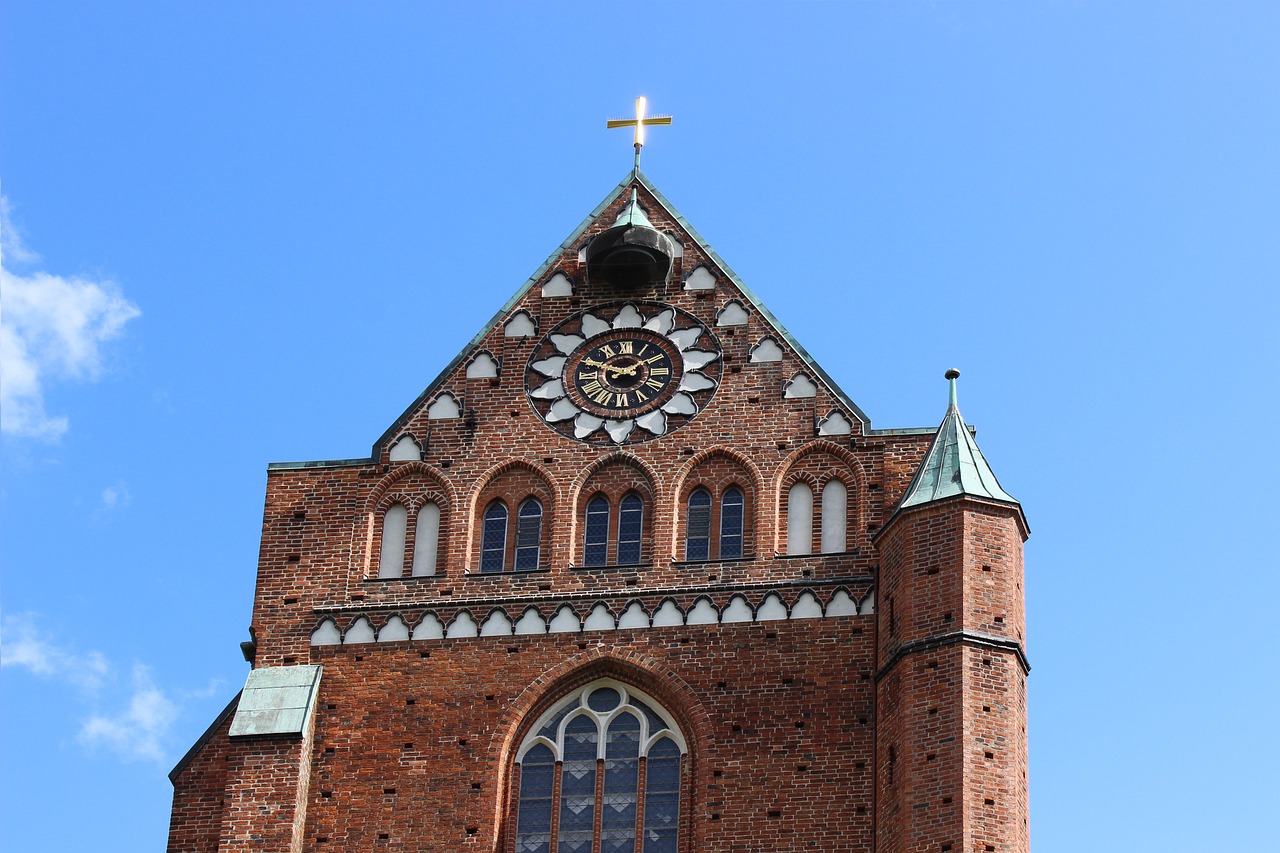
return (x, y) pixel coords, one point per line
(620, 371)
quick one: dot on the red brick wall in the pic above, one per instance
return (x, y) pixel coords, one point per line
(951, 712)
(780, 715)
(199, 793)
(777, 715)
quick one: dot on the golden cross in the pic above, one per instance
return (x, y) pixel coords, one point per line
(640, 122)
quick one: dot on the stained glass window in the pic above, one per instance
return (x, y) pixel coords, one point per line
(731, 506)
(594, 743)
(595, 551)
(630, 525)
(493, 549)
(528, 535)
(697, 540)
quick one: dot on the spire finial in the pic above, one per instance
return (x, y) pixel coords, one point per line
(951, 376)
(640, 122)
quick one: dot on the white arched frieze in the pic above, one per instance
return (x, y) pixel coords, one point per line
(739, 607)
(766, 352)
(482, 366)
(558, 285)
(444, 407)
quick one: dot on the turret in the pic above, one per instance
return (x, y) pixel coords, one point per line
(951, 743)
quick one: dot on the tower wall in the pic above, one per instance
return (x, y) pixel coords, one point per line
(951, 754)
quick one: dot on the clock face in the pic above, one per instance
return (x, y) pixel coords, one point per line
(623, 373)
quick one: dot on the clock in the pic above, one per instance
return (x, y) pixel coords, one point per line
(623, 373)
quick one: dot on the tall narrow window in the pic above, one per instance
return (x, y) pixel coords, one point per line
(426, 541)
(595, 548)
(662, 797)
(621, 785)
(697, 539)
(731, 513)
(578, 785)
(529, 535)
(395, 522)
(493, 548)
(835, 499)
(603, 726)
(537, 787)
(630, 529)
(800, 519)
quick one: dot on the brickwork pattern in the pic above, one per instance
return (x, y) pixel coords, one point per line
(789, 722)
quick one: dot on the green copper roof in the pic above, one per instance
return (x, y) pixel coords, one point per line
(633, 214)
(953, 465)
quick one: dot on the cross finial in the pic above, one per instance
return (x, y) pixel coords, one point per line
(640, 122)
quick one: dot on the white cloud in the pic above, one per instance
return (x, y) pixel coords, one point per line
(51, 327)
(140, 729)
(23, 645)
(117, 496)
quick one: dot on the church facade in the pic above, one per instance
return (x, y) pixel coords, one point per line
(632, 574)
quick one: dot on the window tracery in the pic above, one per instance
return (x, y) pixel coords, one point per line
(600, 771)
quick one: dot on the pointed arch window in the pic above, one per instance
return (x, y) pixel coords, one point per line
(697, 541)
(595, 547)
(731, 517)
(426, 540)
(800, 518)
(835, 499)
(605, 744)
(528, 535)
(395, 523)
(493, 547)
(630, 529)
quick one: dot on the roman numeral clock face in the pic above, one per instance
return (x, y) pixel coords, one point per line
(623, 374)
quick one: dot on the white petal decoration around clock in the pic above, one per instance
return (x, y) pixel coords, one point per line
(562, 410)
(685, 338)
(585, 425)
(654, 422)
(619, 430)
(695, 358)
(550, 366)
(628, 318)
(662, 323)
(593, 325)
(695, 381)
(549, 391)
(680, 404)
(567, 343)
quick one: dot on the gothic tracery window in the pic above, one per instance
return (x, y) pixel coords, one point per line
(604, 745)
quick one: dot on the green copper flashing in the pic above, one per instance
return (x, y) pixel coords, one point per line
(633, 213)
(953, 465)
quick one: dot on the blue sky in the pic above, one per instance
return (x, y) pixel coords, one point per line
(239, 233)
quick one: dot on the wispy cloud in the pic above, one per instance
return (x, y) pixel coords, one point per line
(23, 645)
(140, 729)
(144, 714)
(51, 328)
(117, 496)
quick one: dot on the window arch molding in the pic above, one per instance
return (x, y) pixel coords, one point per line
(514, 483)
(718, 469)
(615, 476)
(413, 484)
(606, 728)
(415, 512)
(818, 463)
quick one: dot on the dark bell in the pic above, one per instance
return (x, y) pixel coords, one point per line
(630, 256)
